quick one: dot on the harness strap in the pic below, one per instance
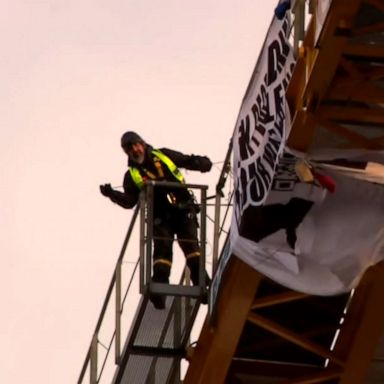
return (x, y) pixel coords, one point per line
(158, 159)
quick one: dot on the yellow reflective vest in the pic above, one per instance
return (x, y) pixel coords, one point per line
(158, 157)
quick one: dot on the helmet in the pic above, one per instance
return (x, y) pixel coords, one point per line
(130, 138)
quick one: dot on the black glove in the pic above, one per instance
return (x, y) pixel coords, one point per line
(106, 190)
(205, 164)
(200, 163)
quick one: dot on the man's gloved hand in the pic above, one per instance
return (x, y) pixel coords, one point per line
(201, 163)
(205, 164)
(106, 190)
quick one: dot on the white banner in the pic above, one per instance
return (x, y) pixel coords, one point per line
(261, 125)
(312, 227)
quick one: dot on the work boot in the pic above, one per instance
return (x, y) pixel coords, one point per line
(160, 275)
(157, 300)
(193, 265)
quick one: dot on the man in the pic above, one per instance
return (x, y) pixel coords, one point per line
(174, 208)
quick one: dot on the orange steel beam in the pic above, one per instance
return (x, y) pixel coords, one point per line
(353, 137)
(351, 69)
(376, 3)
(364, 50)
(293, 337)
(355, 90)
(372, 28)
(341, 15)
(374, 73)
(278, 299)
(320, 377)
(352, 114)
(271, 368)
(302, 131)
(276, 343)
(356, 86)
(363, 326)
(315, 70)
(216, 346)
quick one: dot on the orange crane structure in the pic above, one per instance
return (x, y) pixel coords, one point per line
(258, 330)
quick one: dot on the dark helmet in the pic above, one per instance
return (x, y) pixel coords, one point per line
(130, 138)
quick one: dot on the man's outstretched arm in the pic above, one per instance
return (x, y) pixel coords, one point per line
(123, 199)
(191, 162)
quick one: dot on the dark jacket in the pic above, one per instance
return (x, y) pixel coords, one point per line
(130, 196)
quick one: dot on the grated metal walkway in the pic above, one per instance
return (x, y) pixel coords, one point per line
(157, 342)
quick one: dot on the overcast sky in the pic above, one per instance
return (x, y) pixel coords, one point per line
(75, 75)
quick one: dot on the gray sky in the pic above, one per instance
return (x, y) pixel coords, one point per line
(74, 76)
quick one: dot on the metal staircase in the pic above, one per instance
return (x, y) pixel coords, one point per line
(157, 342)
(157, 339)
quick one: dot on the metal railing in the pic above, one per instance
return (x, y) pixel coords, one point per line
(218, 225)
(146, 238)
(91, 360)
(145, 208)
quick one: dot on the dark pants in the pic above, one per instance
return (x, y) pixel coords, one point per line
(183, 224)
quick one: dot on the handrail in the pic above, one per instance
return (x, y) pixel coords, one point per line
(90, 357)
(145, 210)
(147, 207)
(168, 320)
(219, 194)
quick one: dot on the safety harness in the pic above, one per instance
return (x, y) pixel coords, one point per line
(158, 158)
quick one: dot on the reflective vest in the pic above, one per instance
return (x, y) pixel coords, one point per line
(158, 156)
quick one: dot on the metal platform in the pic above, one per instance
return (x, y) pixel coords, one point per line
(157, 342)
